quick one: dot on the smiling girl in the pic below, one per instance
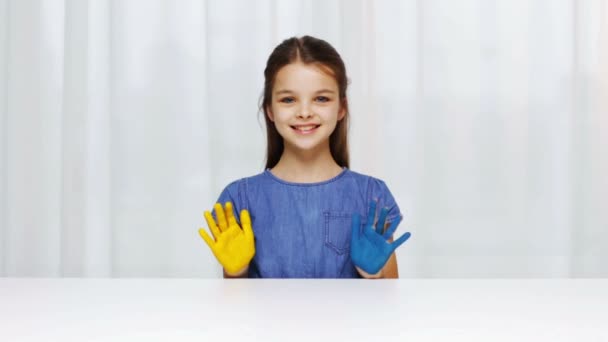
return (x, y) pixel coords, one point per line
(307, 215)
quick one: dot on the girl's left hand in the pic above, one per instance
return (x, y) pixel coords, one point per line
(369, 248)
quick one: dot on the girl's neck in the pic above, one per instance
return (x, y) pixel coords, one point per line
(306, 167)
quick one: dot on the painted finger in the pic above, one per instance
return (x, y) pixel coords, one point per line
(230, 215)
(206, 238)
(381, 220)
(211, 223)
(246, 225)
(221, 217)
(391, 230)
(371, 215)
(400, 240)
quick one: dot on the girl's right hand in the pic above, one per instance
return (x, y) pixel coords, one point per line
(233, 247)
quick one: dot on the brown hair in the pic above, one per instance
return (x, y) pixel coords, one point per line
(308, 50)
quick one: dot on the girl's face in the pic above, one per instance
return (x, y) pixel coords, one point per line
(305, 106)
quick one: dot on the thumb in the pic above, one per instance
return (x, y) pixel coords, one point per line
(206, 238)
(400, 240)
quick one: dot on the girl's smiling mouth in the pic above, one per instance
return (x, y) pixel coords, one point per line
(305, 129)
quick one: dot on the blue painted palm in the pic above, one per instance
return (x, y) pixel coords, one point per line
(369, 248)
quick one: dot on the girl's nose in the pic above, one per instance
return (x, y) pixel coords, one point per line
(305, 113)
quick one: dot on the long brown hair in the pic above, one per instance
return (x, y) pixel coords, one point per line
(308, 50)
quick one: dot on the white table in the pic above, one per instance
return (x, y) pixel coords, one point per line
(303, 310)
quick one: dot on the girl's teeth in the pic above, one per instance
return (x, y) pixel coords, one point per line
(306, 128)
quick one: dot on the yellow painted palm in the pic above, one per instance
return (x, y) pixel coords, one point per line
(233, 247)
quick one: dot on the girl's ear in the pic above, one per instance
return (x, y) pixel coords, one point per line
(270, 114)
(342, 111)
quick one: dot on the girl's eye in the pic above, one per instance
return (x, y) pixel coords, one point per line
(322, 99)
(287, 100)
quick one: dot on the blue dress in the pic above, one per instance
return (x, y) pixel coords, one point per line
(303, 230)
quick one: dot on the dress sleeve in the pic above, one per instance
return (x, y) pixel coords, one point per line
(231, 193)
(378, 190)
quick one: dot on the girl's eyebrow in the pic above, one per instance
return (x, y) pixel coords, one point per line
(287, 91)
(325, 91)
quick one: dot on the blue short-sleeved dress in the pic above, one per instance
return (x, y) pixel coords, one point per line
(303, 230)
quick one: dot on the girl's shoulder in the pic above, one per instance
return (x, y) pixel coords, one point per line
(239, 187)
(373, 184)
(237, 191)
(377, 190)
(249, 180)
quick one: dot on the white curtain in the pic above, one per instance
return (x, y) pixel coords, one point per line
(121, 121)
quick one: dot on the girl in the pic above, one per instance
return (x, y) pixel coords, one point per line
(307, 206)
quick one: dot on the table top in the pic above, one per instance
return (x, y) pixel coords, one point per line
(118, 309)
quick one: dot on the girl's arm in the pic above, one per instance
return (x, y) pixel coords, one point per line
(390, 270)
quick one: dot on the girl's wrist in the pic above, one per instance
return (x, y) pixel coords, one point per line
(366, 275)
(240, 274)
